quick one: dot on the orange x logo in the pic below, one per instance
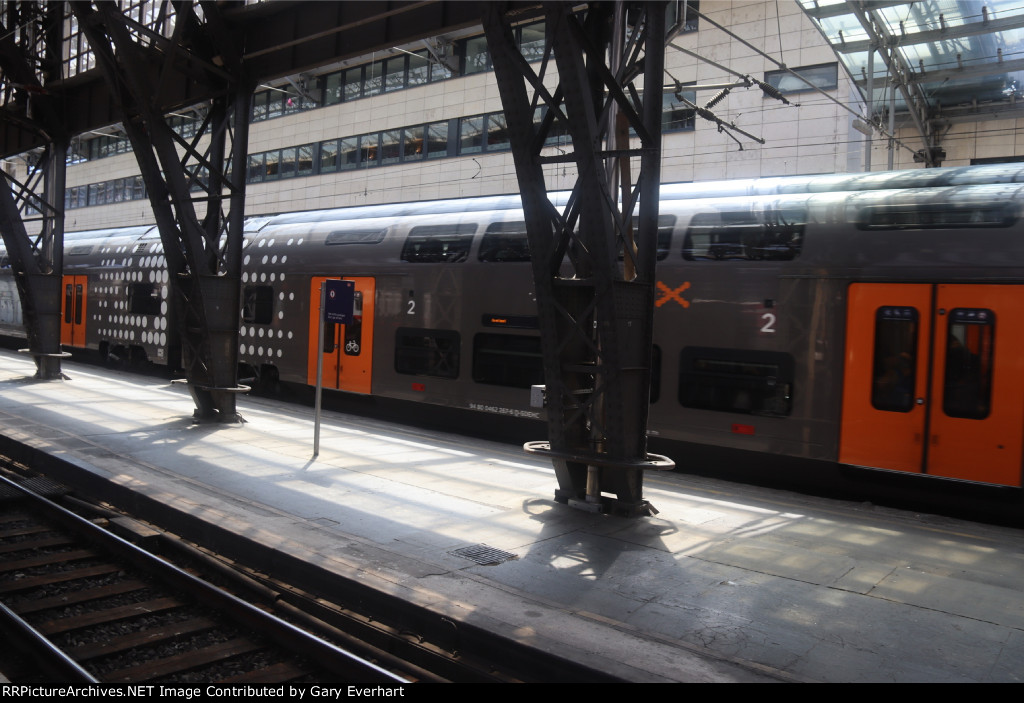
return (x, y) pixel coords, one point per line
(670, 294)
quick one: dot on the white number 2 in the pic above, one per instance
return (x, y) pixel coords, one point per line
(412, 308)
(769, 322)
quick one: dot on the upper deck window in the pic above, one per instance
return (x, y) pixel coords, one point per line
(774, 234)
(936, 215)
(505, 241)
(355, 236)
(438, 243)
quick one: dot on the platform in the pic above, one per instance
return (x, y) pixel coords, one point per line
(726, 584)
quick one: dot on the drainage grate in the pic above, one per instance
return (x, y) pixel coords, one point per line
(483, 555)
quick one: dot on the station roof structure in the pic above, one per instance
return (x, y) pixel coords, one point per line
(947, 60)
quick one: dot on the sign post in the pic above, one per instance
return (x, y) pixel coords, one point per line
(336, 306)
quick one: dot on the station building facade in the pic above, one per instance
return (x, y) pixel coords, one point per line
(424, 122)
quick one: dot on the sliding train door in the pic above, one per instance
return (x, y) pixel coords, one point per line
(934, 380)
(72, 321)
(348, 349)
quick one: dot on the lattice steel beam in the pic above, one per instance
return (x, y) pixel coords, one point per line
(595, 318)
(203, 252)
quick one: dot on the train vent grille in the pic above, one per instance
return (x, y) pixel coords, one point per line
(141, 248)
(484, 555)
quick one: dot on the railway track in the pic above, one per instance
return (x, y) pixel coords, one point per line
(85, 606)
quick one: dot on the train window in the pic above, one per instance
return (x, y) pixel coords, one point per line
(895, 359)
(258, 305)
(770, 235)
(936, 216)
(355, 236)
(421, 352)
(666, 223)
(352, 345)
(431, 244)
(505, 242)
(738, 381)
(507, 360)
(143, 299)
(80, 250)
(970, 348)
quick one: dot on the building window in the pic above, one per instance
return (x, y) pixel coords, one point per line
(684, 11)
(477, 58)
(677, 116)
(824, 76)
(437, 140)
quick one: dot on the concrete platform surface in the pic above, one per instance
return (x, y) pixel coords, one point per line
(726, 583)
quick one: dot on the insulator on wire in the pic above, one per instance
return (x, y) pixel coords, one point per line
(717, 99)
(771, 91)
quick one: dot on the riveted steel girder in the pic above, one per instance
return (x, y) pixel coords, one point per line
(594, 260)
(197, 202)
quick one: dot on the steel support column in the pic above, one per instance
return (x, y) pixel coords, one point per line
(203, 251)
(29, 62)
(594, 275)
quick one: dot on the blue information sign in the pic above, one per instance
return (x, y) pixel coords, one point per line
(338, 301)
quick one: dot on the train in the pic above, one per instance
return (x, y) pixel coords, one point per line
(862, 320)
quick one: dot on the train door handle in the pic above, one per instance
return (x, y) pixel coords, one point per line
(919, 401)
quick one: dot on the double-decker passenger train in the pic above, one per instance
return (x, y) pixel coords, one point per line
(872, 320)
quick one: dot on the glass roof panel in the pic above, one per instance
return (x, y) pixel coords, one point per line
(935, 40)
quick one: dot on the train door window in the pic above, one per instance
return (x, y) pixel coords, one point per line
(258, 305)
(734, 380)
(895, 359)
(69, 301)
(143, 299)
(354, 330)
(438, 243)
(422, 352)
(79, 303)
(505, 242)
(970, 347)
(507, 360)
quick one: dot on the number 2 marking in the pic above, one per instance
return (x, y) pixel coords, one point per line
(769, 322)
(412, 308)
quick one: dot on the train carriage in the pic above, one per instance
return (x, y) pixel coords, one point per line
(868, 320)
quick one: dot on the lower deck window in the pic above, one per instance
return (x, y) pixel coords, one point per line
(507, 360)
(427, 352)
(143, 299)
(258, 305)
(736, 380)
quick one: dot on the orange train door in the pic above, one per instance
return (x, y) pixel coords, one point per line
(348, 349)
(934, 381)
(72, 321)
